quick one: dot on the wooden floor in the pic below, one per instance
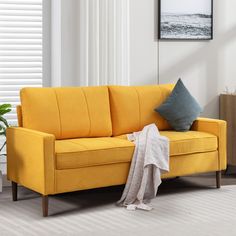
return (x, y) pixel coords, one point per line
(184, 206)
(196, 181)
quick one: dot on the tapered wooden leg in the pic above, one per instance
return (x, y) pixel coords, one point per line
(14, 191)
(218, 179)
(45, 205)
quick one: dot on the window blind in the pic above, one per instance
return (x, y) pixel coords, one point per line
(20, 50)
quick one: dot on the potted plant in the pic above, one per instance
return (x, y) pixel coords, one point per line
(4, 109)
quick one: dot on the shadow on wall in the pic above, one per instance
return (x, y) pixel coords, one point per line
(156, 10)
(210, 57)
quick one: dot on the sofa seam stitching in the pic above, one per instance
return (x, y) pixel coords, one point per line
(30, 132)
(192, 139)
(102, 149)
(54, 169)
(103, 164)
(44, 181)
(89, 133)
(139, 108)
(193, 152)
(70, 141)
(104, 141)
(197, 152)
(59, 113)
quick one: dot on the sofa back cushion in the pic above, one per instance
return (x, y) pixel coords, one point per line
(67, 112)
(132, 107)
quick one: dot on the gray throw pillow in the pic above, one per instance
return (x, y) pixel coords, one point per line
(180, 109)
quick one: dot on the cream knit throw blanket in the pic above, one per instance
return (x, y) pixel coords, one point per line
(150, 159)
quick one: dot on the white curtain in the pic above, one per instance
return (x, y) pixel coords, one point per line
(92, 45)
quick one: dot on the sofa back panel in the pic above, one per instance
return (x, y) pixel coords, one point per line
(84, 112)
(99, 111)
(67, 112)
(132, 107)
(40, 111)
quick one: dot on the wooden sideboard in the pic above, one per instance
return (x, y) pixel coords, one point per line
(228, 113)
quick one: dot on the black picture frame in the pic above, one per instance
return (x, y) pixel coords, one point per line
(163, 34)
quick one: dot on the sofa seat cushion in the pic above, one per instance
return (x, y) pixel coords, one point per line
(183, 143)
(85, 152)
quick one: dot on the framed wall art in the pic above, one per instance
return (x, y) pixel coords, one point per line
(186, 19)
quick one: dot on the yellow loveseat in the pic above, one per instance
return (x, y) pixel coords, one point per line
(71, 139)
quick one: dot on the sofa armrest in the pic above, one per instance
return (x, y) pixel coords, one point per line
(218, 128)
(31, 159)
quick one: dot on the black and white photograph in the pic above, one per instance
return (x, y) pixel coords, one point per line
(186, 19)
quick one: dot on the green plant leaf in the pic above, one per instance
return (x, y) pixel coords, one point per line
(3, 112)
(5, 108)
(4, 121)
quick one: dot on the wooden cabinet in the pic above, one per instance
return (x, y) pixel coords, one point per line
(228, 113)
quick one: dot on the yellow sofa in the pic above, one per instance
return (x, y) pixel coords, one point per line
(71, 139)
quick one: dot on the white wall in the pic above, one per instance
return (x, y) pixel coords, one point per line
(64, 25)
(90, 42)
(143, 42)
(206, 67)
(69, 26)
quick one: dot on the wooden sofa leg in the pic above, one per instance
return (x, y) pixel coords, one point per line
(14, 191)
(218, 179)
(45, 205)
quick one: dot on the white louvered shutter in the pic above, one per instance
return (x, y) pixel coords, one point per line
(20, 49)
